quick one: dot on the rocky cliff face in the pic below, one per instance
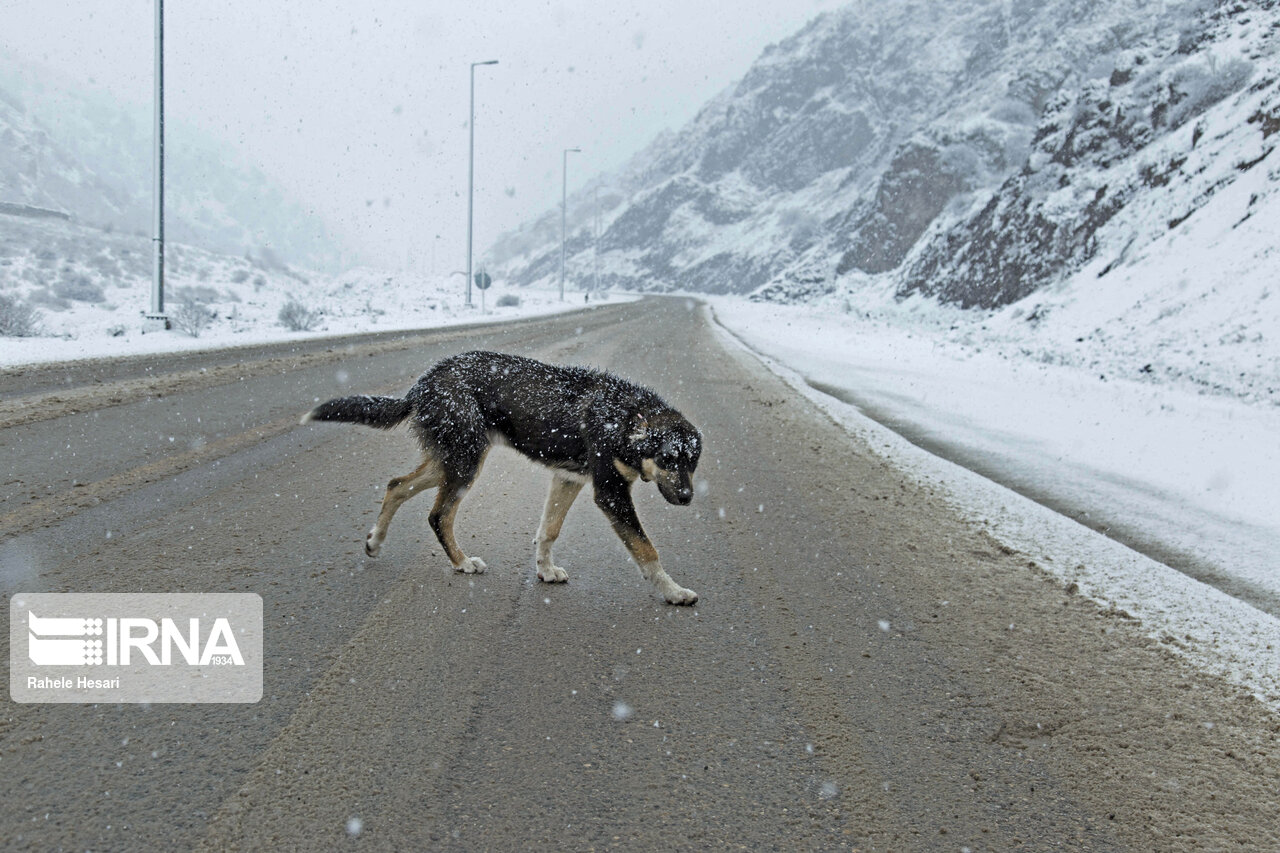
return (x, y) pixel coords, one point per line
(973, 154)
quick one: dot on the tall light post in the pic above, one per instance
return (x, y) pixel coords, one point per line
(471, 168)
(564, 188)
(595, 247)
(156, 317)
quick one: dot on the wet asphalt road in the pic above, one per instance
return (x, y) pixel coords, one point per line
(866, 669)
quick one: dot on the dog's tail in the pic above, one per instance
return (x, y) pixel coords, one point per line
(378, 412)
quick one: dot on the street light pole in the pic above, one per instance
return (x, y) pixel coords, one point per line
(471, 168)
(156, 317)
(595, 247)
(564, 207)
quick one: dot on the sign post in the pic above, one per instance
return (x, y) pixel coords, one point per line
(482, 284)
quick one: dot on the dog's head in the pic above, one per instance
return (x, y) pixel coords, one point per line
(667, 448)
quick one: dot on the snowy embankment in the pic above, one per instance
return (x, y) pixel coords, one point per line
(1185, 476)
(89, 290)
(77, 341)
(1138, 398)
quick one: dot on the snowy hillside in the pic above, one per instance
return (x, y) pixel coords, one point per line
(82, 153)
(85, 289)
(1090, 178)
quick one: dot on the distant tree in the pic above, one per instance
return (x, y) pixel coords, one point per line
(17, 319)
(191, 317)
(297, 317)
(78, 287)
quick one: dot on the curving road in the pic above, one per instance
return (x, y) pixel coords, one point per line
(865, 670)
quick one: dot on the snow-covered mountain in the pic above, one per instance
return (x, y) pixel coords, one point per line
(975, 152)
(83, 154)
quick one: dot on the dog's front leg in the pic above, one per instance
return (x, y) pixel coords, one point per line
(559, 499)
(613, 496)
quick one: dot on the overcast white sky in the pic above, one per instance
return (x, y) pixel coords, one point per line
(359, 107)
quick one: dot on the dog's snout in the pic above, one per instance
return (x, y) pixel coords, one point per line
(678, 495)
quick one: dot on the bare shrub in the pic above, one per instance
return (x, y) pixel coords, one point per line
(192, 317)
(78, 287)
(41, 296)
(107, 266)
(196, 293)
(1195, 87)
(508, 300)
(18, 320)
(297, 317)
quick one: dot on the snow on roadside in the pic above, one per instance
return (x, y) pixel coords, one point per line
(1199, 469)
(91, 300)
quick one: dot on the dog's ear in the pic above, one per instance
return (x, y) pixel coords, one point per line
(639, 428)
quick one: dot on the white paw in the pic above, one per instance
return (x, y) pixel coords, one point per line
(552, 574)
(471, 566)
(371, 546)
(680, 595)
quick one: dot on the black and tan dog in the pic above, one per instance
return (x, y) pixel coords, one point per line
(586, 425)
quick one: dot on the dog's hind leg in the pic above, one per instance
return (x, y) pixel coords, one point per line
(426, 476)
(559, 499)
(442, 517)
